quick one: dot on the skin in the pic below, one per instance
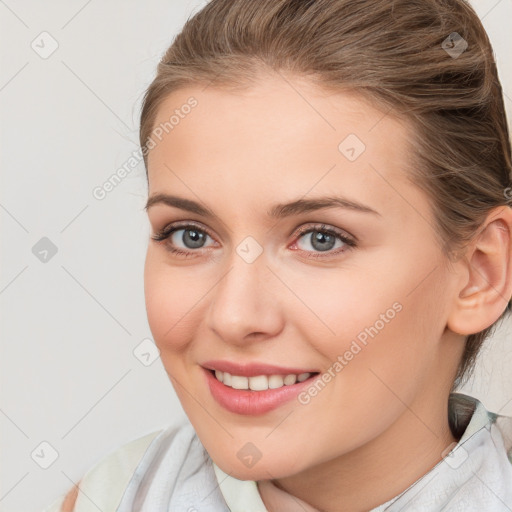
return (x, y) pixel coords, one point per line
(70, 499)
(381, 423)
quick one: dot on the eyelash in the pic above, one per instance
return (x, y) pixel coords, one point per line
(167, 231)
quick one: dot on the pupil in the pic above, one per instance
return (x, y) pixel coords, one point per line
(318, 239)
(193, 238)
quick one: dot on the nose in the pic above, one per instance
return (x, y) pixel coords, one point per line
(244, 305)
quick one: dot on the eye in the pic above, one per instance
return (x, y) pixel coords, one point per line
(323, 239)
(182, 239)
(186, 239)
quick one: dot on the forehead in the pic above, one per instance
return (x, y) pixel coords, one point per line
(279, 136)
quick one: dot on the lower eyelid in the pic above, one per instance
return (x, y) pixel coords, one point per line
(331, 253)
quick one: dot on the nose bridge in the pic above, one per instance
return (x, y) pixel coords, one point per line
(242, 303)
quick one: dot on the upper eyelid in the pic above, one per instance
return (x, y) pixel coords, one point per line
(321, 226)
(171, 228)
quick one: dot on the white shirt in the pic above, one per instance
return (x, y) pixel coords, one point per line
(169, 470)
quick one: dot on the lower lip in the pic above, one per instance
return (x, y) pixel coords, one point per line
(252, 403)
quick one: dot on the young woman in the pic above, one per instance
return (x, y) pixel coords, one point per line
(330, 207)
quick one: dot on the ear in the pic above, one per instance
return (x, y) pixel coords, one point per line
(486, 286)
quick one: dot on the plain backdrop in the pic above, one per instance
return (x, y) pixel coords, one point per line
(71, 286)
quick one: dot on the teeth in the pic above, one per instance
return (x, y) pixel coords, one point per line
(260, 382)
(238, 382)
(290, 379)
(275, 381)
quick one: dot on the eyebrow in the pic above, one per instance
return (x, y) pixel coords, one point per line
(277, 211)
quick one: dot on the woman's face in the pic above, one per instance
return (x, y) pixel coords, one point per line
(355, 291)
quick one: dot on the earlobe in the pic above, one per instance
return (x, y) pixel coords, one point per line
(487, 286)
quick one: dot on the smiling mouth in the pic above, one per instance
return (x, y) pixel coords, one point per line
(260, 382)
(258, 394)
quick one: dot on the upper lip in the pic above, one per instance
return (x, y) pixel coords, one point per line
(253, 369)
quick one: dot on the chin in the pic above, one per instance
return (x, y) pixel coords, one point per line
(261, 470)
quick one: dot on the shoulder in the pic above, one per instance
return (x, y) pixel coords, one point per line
(70, 499)
(106, 481)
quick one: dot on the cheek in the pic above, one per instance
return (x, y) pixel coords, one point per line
(340, 305)
(374, 317)
(173, 302)
(378, 358)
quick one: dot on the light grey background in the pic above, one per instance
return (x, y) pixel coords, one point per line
(70, 324)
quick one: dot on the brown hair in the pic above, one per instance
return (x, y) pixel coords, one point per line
(402, 54)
